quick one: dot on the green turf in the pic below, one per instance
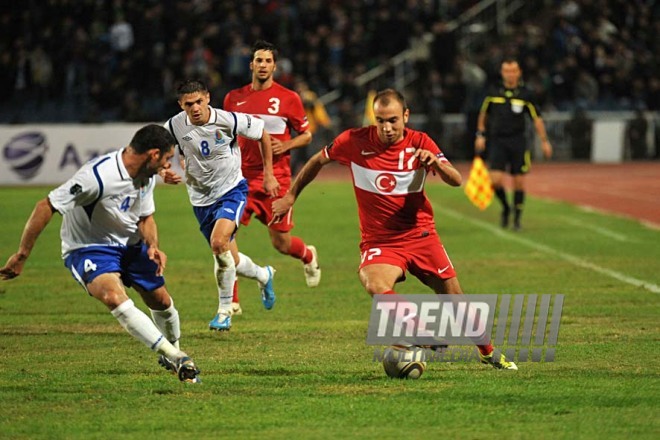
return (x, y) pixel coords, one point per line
(303, 370)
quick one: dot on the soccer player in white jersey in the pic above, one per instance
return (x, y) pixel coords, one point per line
(389, 164)
(110, 240)
(207, 140)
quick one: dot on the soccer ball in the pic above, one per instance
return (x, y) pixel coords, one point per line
(404, 362)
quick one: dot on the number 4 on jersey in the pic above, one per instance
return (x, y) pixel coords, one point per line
(126, 204)
(89, 266)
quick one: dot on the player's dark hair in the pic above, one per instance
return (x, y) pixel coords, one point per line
(386, 95)
(510, 60)
(264, 45)
(152, 136)
(188, 86)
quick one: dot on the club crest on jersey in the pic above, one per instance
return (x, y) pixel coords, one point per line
(218, 138)
(385, 182)
(75, 190)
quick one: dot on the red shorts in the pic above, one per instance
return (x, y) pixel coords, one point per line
(260, 205)
(423, 256)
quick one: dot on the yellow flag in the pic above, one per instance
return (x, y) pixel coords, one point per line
(369, 118)
(478, 188)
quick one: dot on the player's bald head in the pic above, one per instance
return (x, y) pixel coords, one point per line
(388, 96)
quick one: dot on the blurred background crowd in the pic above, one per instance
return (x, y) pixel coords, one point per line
(119, 60)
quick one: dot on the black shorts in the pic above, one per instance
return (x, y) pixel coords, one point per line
(509, 154)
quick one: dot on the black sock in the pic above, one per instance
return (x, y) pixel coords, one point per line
(518, 203)
(501, 195)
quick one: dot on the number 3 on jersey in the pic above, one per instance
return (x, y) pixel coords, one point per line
(274, 107)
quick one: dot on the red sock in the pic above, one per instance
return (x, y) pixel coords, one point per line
(389, 292)
(485, 349)
(299, 250)
(235, 298)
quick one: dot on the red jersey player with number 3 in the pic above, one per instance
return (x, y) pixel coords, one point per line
(282, 111)
(389, 164)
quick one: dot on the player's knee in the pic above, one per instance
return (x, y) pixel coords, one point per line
(449, 286)
(219, 245)
(376, 287)
(111, 298)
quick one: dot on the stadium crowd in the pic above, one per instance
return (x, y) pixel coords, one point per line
(587, 54)
(101, 60)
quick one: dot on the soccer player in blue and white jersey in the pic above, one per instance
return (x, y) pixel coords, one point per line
(207, 139)
(110, 240)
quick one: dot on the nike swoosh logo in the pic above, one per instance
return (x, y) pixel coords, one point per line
(368, 153)
(240, 103)
(440, 271)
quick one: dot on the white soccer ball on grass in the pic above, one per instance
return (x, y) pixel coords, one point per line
(404, 362)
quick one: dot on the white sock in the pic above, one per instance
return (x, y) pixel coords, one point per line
(248, 269)
(168, 323)
(225, 276)
(143, 329)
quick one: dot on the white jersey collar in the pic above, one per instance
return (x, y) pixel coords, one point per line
(123, 172)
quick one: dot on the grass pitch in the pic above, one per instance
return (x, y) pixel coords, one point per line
(303, 370)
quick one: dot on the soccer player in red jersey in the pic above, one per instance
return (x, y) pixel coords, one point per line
(389, 164)
(282, 111)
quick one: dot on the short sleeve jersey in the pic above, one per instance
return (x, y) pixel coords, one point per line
(281, 110)
(388, 182)
(211, 153)
(507, 109)
(101, 205)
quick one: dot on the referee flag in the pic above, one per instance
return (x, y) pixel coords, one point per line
(478, 188)
(369, 118)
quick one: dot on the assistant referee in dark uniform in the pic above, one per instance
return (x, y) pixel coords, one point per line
(505, 108)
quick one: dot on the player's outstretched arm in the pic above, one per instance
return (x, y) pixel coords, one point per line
(149, 233)
(304, 178)
(302, 140)
(39, 219)
(271, 185)
(448, 173)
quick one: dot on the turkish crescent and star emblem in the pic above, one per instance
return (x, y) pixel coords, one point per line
(385, 182)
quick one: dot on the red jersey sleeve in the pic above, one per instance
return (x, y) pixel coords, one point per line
(340, 148)
(297, 116)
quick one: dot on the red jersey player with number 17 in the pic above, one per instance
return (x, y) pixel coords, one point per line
(282, 111)
(389, 164)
